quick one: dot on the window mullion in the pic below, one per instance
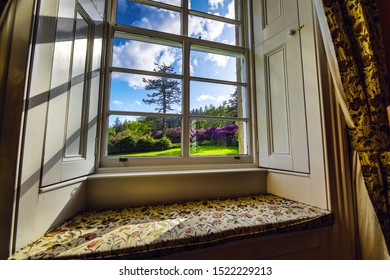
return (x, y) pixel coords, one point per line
(144, 72)
(184, 19)
(111, 11)
(158, 4)
(186, 83)
(220, 118)
(147, 35)
(214, 17)
(144, 114)
(223, 82)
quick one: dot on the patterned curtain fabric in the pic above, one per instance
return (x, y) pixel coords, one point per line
(356, 35)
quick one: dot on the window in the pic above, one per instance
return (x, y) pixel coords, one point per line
(177, 83)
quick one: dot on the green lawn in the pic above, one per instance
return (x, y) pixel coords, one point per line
(214, 150)
(197, 151)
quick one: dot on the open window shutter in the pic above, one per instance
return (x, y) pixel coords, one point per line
(71, 126)
(279, 86)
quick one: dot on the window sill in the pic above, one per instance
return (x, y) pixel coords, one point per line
(172, 170)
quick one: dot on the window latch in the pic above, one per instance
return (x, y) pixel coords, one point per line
(292, 32)
(122, 159)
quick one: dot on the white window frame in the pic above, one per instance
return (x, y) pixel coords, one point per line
(185, 160)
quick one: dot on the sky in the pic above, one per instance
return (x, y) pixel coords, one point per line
(127, 90)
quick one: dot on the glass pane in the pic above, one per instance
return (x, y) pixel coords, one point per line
(212, 30)
(170, 2)
(136, 136)
(217, 100)
(216, 66)
(148, 17)
(223, 8)
(211, 137)
(140, 93)
(133, 54)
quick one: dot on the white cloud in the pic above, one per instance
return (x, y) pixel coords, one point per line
(219, 60)
(138, 103)
(205, 29)
(132, 81)
(121, 119)
(161, 20)
(138, 55)
(231, 11)
(135, 54)
(221, 99)
(117, 102)
(214, 3)
(143, 56)
(205, 97)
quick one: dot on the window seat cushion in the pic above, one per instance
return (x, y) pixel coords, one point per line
(154, 231)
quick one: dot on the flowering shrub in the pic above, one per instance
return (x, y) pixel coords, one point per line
(124, 142)
(226, 135)
(173, 134)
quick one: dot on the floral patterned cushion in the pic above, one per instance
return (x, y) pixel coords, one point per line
(153, 231)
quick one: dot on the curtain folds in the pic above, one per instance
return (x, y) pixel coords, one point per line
(360, 79)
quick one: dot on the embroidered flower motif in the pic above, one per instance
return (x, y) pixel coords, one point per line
(184, 212)
(73, 224)
(155, 217)
(125, 221)
(181, 225)
(55, 232)
(89, 236)
(135, 234)
(94, 243)
(217, 215)
(109, 221)
(189, 230)
(260, 219)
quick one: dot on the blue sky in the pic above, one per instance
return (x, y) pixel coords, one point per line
(127, 91)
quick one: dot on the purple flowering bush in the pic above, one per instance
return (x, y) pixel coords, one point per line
(225, 136)
(173, 134)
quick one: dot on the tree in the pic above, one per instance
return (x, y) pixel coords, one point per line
(167, 92)
(117, 125)
(233, 104)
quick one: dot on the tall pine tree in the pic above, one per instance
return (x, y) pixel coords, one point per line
(167, 92)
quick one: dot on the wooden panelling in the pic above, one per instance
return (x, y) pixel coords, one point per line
(278, 128)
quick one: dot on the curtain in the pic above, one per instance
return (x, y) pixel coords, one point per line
(353, 43)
